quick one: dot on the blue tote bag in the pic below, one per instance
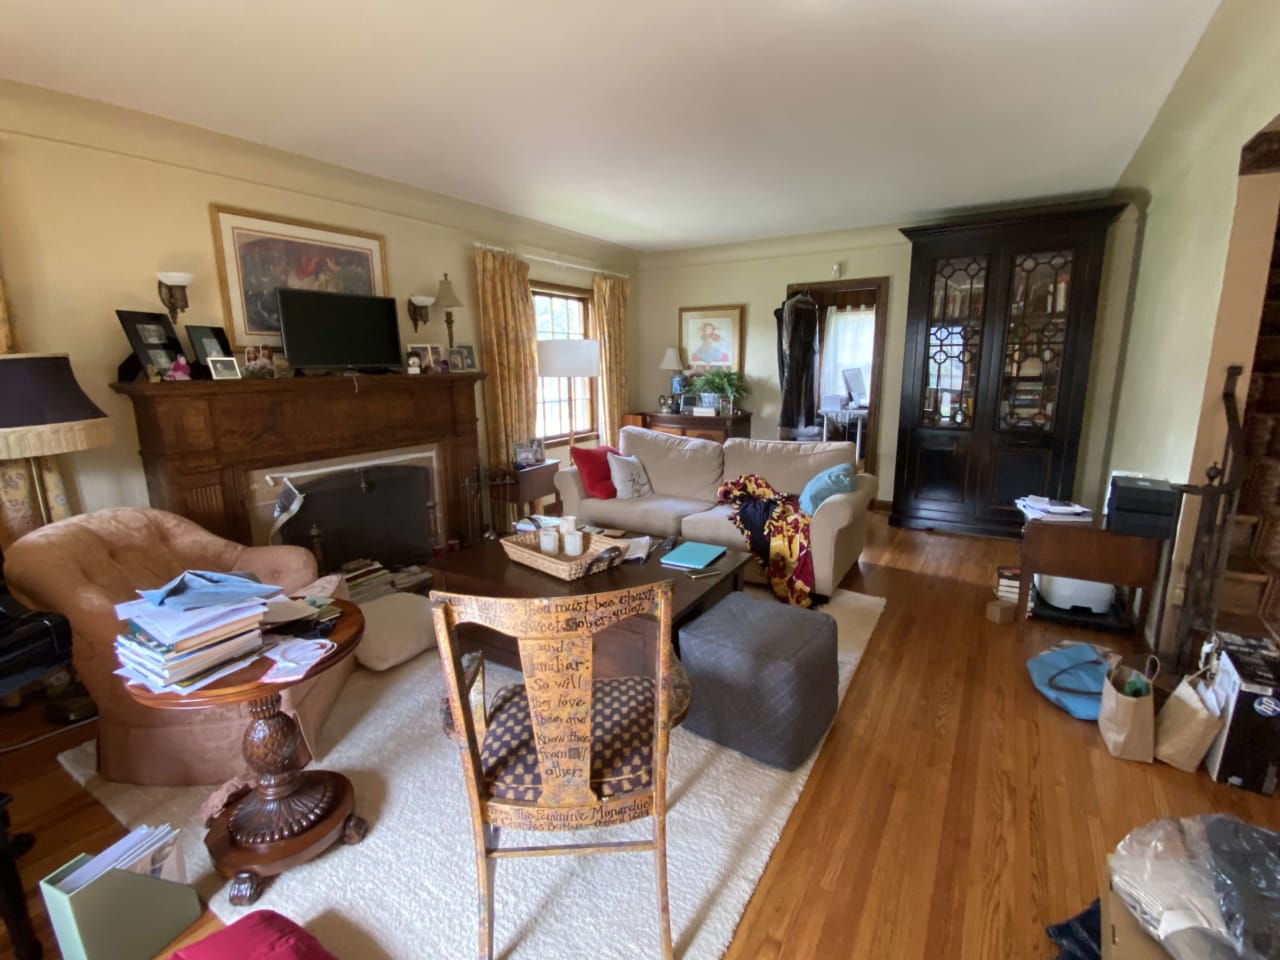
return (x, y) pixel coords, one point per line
(1072, 676)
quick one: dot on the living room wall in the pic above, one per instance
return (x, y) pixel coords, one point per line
(95, 199)
(1185, 175)
(757, 274)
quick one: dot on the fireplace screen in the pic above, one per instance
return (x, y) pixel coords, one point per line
(380, 513)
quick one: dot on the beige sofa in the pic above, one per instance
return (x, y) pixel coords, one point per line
(686, 473)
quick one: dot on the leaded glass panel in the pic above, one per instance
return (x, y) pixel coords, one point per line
(953, 352)
(1039, 301)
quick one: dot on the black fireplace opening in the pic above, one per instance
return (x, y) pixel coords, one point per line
(381, 513)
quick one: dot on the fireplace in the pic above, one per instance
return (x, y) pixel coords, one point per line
(208, 446)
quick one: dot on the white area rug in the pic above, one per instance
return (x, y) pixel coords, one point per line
(408, 891)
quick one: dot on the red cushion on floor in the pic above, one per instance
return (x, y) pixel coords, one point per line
(261, 935)
(593, 467)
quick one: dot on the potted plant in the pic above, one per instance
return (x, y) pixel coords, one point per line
(723, 382)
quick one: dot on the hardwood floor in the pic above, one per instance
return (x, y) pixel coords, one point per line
(953, 812)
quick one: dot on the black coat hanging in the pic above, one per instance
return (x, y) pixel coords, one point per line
(797, 361)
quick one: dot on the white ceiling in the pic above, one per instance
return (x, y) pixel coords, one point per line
(651, 123)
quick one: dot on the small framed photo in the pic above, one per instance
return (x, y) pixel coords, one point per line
(208, 342)
(434, 359)
(539, 450)
(523, 455)
(259, 363)
(153, 339)
(462, 357)
(413, 362)
(224, 368)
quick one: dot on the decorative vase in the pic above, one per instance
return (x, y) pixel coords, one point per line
(709, 400)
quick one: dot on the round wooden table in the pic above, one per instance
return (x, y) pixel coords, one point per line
(292, 815)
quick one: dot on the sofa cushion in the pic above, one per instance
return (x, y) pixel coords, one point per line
(787, 465)
(677, 466)
(655, 515)
(593, 467)
(629, 477)
(713, 526)
(837, 479)
(261, 935)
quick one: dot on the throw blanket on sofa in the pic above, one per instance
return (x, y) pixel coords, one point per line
(776, 531)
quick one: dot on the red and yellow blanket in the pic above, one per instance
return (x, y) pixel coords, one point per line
(776, 530)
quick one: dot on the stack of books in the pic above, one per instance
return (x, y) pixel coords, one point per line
(1053, 511)
(180, 651)
(367, 580)
(1007, 579)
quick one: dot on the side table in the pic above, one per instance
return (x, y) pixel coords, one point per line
(513, 488)
(1089, 551)
(292, 815)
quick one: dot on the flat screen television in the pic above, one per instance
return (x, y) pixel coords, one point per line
(338, 330)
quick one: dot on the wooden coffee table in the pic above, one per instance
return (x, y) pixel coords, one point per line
(625, 649)
(292, 815)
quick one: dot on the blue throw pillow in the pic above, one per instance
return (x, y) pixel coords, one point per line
(837, 479)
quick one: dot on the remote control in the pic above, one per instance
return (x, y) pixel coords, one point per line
(668, 543)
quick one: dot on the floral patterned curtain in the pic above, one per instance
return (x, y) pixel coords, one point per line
(19, 509)
(510, 352)
(609, 311)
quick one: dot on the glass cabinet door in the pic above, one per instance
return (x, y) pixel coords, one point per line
(953, 351)
(1035, 336)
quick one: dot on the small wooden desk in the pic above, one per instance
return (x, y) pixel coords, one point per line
(1089, 551)
(510, 489)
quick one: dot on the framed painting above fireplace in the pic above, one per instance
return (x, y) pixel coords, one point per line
(258, 252)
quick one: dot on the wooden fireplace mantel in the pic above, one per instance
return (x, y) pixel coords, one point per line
(200, 439)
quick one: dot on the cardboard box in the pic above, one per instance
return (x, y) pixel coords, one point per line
(1001, 611)
(1122, 936)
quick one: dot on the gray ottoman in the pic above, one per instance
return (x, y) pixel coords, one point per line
(764, 677)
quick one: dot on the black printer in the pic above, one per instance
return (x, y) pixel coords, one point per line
(1142, 507)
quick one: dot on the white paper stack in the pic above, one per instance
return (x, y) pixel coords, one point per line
(1053, 511)
(150, 850)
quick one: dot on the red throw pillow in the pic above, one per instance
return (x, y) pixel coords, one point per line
(261, 935)
(593, 467)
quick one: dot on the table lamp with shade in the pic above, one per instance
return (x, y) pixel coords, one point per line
(569, 358)
(43, 412)
(679, 382)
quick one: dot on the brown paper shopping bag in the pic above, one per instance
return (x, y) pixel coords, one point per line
(1128, 723)
(1185, 727)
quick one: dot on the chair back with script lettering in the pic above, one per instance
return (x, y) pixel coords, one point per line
(564, 750)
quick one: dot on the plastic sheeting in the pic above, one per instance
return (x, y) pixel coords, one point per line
(1208, 887)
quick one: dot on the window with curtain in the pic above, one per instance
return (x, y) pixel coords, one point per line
(848, 344)
(563, 313)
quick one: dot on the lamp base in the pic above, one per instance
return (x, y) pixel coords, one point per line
(679, 384)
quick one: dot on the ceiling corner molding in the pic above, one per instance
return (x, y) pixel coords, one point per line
(1261, 154)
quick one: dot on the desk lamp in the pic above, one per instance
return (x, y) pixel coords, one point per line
(43, 412)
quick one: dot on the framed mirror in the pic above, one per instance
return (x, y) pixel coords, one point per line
(851, 328)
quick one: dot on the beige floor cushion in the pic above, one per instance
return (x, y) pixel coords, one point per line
(397, 628)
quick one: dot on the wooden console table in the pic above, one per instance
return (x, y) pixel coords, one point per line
(200, 439)
(719, 429)
(1089, 551)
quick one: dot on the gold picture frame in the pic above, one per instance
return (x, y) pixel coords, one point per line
(259, 252)
(712, 337)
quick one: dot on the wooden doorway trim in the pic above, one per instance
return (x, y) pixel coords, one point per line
(879, 286)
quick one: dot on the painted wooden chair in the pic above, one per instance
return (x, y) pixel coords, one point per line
(562, 751)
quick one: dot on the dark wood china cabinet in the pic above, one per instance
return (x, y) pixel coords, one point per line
(1000, 319)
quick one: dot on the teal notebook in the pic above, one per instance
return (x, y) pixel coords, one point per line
(692, 556)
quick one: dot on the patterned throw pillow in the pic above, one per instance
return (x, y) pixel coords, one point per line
(629, 477)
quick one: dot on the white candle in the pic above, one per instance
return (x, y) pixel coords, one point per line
(573, 543)
(549, 540)
(568, 524)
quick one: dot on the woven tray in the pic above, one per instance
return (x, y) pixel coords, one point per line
(523, 548)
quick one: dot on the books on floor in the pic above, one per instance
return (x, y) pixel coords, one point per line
(692, 555)
(1053, 511)
(153, 851)
(367, 580)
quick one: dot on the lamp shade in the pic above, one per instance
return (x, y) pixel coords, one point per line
(671, 360)
(446, 298)
(421, 300)
(568, 358)
(176, 278)
(43, 411)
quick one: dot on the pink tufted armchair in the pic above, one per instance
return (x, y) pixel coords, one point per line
(83, 566)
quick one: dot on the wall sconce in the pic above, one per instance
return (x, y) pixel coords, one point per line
(445, 297)
(418, 306)
(172, 285)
